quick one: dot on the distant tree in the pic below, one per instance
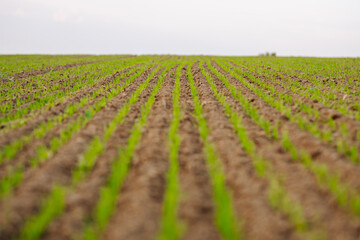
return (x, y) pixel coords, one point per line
(267, 54)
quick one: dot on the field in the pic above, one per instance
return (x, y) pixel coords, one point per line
(179, 147)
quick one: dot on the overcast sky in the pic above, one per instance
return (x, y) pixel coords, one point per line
(212, 27)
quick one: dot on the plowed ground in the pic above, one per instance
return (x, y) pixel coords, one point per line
(292, 199)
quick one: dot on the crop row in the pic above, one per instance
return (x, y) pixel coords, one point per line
(44, 151)
(226, 221)
(10, 150)
(341, 75)
(34, 227)
(120, 166)
(15, 64)
(281, 101)
(343, 143)
(277, 195)
(317, 93)
(52, 80)
(51, 100)
(171, 226)
(20, 87)
(261, 105)
(345, 196)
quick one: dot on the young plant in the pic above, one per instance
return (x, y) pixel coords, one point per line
(171, 228)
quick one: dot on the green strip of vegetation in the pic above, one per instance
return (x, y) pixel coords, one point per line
(171, 227)
(51, 207)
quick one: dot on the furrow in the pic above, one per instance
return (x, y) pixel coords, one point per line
(196, 207)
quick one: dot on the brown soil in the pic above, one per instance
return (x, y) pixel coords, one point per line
(81, 201)
(22, 159)
(325, 80)
(28, 90)
(326, 112)
(38, 182)
(42, 116)
(308, 83)
(319, 206)
(35, 72)
(320, 151)
(72, 97)
(70, 81)
(138, 212)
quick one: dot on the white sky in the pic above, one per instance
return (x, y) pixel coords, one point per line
(211, 27)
